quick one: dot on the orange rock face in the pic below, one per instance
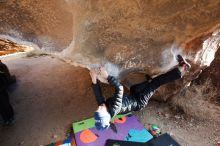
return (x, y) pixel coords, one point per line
(8, 47)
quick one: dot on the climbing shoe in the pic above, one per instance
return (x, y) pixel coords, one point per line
(183, 63)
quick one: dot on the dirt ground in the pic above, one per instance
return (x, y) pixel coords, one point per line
(50, 95)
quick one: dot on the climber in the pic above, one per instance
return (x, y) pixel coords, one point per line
(6, 109)
(139, 93)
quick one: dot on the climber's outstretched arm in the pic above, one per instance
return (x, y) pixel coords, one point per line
(96, 88)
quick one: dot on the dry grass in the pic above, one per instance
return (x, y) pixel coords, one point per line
(36, 53)
(206, 90)
(199, 101)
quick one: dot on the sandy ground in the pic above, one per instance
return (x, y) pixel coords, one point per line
(51, 94)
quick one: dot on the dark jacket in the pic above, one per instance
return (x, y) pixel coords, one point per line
(4, 71)
(3, 82)
(118, 103)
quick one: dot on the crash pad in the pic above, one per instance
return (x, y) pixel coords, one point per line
(123, 127)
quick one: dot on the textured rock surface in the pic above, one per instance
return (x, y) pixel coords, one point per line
(49, 24)
(212, 73)
(134, 35)
(9, 47)
(131, 34)
(139, 34)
